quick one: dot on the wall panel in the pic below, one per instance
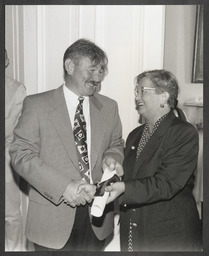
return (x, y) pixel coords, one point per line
(30, 44)
(133, 41)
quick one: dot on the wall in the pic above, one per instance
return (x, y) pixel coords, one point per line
(178, 58)
(36, 37)
(132, 36)
(179, 48)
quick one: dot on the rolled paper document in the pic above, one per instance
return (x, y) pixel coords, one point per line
(99, 203)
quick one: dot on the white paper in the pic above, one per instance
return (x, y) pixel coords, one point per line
(99, 203)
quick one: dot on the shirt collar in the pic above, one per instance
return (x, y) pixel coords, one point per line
(72, 97)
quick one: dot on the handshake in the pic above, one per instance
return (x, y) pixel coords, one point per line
(79, 192)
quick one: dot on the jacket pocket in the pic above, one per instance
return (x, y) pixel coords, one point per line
(168, 227)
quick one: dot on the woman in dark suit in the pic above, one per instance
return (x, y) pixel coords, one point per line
(158, 210)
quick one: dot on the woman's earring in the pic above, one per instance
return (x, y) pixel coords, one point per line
(162, 105)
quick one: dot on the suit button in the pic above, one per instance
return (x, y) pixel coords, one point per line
(125, 205)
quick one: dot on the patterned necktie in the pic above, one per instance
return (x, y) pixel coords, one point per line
(79, 131)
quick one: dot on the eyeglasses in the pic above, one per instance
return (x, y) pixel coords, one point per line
(142, 89)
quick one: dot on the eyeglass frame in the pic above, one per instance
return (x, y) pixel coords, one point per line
(143, 89)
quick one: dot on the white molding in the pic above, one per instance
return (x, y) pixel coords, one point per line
(87, 21)
(41, 48)
(73, 23)
(17, 43)
(30, 48)
(13, 41)
(137, 57)
(15, 46)
(99, 28)
(142, 25)
(138, 32)
(163, 34)
(153, 32)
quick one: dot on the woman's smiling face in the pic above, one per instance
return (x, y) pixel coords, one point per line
(146, 98)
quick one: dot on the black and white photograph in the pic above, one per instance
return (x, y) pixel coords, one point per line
(104, 107)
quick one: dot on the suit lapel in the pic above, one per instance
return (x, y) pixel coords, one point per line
(97, 129)
(148, 151)
(153, 143)
(134, 141)
(130, 152)
(61, 121)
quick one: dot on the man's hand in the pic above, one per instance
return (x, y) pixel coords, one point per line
(116, 189)
(110, 164)
(72, 197)
(88, 188)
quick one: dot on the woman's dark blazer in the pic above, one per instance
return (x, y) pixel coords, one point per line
(158, 189)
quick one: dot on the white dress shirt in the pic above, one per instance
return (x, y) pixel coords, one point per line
(72, 102)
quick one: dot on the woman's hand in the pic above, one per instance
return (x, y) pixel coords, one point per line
(110, 164)
(116, 189)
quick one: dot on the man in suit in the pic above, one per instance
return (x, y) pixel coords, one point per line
(44, 153)
(15, 93)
